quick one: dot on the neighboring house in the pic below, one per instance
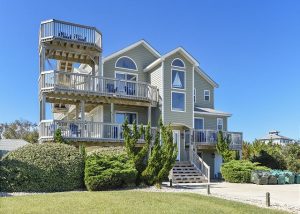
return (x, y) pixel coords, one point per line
(8, 145)
(275, 138)
(91, 97)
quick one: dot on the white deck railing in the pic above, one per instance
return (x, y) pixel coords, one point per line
(210, 137)
(77, 82)
(83, 130)
(52, 29)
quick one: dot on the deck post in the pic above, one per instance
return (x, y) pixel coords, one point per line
(42, 108)
(112, 119)
(149, 115)
(82, 113)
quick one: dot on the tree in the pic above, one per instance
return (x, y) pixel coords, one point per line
(131, 138)
(292, 154)
(20, 129)
(58, 138)
(246, 150)
(223, 148)
(162, 157)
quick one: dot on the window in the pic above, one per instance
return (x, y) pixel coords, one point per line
(125, 87)
(195, 95)
(178, 101)
(220, 124)
(121, 116)
(178, 81)
(207, 95)
(126, 62)
(199, 123)
(178, 63)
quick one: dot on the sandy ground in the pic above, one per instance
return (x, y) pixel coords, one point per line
(286, 197)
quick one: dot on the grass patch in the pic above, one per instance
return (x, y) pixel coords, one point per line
(124, 202)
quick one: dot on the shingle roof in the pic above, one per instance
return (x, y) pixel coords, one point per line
(11, 144)
(210, 111)
(274, 135)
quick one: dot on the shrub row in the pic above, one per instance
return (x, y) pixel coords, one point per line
(237, 171)
(45, 167)
(109, 168)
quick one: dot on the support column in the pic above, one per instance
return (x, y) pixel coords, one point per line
(149, 115)
(112, 111)
(43, 108)
(82, 110)
(77, 112)
(42, 59)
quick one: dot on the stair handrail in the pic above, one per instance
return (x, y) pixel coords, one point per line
(199, 163)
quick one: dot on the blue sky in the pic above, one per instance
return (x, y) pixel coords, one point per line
(251, 48)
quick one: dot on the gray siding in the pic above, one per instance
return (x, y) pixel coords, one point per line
(139, 54)
(186, 117)
(210, 121)
(201, 84)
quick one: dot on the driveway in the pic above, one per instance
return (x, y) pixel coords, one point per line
(285, 197)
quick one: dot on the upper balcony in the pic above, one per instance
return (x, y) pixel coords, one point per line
(209, 138)
(69, 32)
(84, 84)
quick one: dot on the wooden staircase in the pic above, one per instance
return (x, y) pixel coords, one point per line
(186, 172)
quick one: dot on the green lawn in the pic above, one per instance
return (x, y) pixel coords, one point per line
(123, 202)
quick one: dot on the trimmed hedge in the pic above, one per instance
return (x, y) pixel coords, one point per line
(108, 169)
(237, 171)
(47, 167)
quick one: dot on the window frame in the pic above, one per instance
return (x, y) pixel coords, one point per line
(220, 119)
(126, 68)
(195, 95)
(202, 118)
(179, 92)
(124, 112)
(124, 72)
(178, 66)
(182, 89)
(208, 95)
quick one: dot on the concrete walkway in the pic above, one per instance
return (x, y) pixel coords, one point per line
(285, 197)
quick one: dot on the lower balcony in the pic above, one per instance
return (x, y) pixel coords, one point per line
(210, 138)
(82, 131)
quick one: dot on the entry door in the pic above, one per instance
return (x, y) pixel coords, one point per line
(176, 139)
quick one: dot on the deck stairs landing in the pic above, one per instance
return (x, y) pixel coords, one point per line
(186, 172)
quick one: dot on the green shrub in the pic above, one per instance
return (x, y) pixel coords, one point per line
(109, 168)
(44, 167)
(239, 171)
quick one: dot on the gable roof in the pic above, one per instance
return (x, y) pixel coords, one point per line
(141, 42)
(190, 58)
(162, 58)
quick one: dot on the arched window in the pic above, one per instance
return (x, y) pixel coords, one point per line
(126, 62)
(178, 63)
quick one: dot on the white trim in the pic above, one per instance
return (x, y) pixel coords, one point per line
(178, 143)
(124, 72)
(220, 119)
(179, 49)
(216, 114)
(202, 119)
(182, 89)
(162, 92)
(193, 77)
(130, 112)
(208, 95)
(141, 42)
(178, 66)
(127, 68)
(180, 92)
